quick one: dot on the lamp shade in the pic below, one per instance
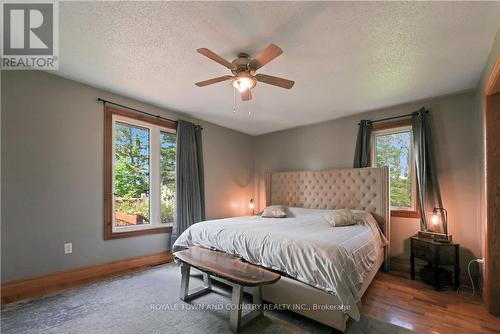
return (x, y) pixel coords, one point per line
(438, 221)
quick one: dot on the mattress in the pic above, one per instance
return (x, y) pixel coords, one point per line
(304, 246)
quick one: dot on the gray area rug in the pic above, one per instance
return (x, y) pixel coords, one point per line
(148, 302)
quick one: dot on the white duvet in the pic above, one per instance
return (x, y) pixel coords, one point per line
(305, 246)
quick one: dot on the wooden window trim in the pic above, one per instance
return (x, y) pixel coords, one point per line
(393, 125)
(408, 213)
(108, 171)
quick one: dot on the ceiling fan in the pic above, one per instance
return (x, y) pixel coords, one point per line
(243, 68)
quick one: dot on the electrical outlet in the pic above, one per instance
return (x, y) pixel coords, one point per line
(68, 248)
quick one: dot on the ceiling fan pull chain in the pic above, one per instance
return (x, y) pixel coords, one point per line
(234, 100)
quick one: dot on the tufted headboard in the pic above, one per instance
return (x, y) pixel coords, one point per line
(354, 188)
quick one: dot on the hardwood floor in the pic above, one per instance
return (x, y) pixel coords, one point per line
(390, 298)
(415, 305)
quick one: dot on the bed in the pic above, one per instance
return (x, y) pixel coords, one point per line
(325, 269)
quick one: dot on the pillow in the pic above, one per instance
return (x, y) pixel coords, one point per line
(341, 218)
(274, 211)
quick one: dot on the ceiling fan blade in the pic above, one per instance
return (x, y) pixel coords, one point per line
(265, 56)
(246, 95)
(215, 57)
(212, 81)
(275, 81)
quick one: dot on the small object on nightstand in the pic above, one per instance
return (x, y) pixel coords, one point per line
(251, 206)
(439, 215)
(438, 255)
(437, 237)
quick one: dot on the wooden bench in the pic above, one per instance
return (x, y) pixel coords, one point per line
(232, 270)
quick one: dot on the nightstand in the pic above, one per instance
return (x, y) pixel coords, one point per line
(438, 255)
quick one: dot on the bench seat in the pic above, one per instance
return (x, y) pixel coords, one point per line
(231, 269)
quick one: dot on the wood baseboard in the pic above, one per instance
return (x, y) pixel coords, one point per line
(47, 284)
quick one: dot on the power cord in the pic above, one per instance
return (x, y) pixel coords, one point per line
(479, 261)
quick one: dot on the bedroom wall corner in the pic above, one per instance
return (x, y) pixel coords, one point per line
(457, 128)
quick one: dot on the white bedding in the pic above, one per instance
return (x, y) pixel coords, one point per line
(305, 246)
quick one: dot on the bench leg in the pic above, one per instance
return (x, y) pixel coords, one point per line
(236, 319)
(185, 271)
(207, 281)
(235, 315)
(257, 300)
(185, 294)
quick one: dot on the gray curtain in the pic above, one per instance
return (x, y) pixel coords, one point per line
(362, 152)
(190, 184)
(428, 187)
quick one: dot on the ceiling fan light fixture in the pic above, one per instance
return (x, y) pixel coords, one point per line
(243, 69)
(244, 81)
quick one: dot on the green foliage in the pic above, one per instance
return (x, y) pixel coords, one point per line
(167, 203)
(131, 161)
(400, 193)
(393, 150)
(167, 162)
(133, 206)
(131, 158)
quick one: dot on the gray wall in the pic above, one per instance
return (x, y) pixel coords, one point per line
(52, 176)
(456, 129)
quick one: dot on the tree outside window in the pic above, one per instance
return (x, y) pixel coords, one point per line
(392, 147)
(131, 154)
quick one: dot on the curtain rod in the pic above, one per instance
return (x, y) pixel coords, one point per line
(139, 111)
(400, 116)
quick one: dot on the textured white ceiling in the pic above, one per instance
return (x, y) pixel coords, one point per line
(345, 57)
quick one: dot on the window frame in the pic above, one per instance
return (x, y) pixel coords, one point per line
(154, 124)
(389, 127)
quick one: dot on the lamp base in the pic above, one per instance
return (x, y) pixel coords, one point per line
(437, 237)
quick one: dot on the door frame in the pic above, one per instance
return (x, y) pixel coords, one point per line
(491, 286)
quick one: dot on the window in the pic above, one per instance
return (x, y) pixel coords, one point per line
(392, 147)
(131, 175)
(139, 174)
(167, 159)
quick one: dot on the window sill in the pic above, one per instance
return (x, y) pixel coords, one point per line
(109, 234)
(140, 227)
(405, 214)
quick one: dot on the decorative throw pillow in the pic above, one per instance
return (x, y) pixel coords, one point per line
(342, 217)
(274, 211)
